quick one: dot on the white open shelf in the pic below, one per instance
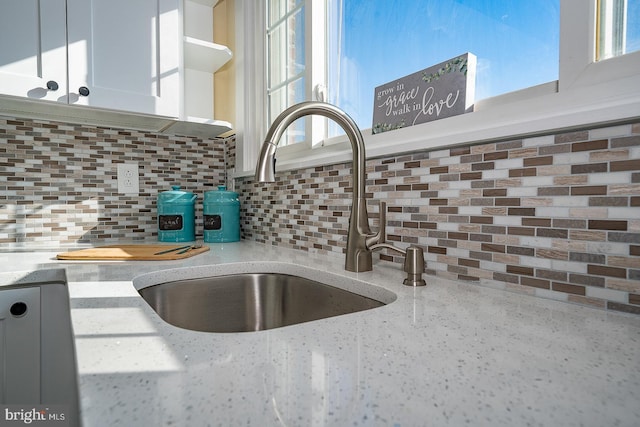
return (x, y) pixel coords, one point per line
(202, 58)
(197, 126)
(209, 3)
(205, 56)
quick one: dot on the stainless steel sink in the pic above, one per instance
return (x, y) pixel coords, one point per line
(250, 302)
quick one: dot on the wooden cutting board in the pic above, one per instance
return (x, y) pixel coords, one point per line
(131, 253)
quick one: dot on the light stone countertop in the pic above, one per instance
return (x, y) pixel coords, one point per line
(449, 353)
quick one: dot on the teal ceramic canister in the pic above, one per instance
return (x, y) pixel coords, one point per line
(176, 216)
(221, 216)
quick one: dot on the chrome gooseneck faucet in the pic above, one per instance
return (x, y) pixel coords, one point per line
(361, 242)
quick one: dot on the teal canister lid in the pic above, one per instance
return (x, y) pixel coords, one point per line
(221, 196)
(176, 196)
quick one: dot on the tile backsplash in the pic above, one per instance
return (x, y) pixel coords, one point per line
(59, 182)
(556, 216)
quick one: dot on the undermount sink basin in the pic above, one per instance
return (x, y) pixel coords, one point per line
(250, 302)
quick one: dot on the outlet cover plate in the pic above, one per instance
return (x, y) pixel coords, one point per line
(128, 180)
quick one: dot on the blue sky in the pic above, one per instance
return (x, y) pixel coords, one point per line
(516, 43)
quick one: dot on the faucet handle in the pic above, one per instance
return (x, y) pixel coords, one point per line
(381, 235)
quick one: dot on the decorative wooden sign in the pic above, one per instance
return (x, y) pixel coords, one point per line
(444, 90)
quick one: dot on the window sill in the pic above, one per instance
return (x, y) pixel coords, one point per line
(536, 111)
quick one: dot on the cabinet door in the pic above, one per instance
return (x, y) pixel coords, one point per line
(20, 345)
(125, 53)
(33, 49)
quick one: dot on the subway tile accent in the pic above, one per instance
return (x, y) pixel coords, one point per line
(58, 184)
(554, 216)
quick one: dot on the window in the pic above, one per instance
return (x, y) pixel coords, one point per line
(618, 28)
(541, 68)
(286, 68)
(377, 42)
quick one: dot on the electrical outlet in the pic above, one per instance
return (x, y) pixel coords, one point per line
(128, 180)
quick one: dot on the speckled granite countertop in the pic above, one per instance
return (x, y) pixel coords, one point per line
(447, 354)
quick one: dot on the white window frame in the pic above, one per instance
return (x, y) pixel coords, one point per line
(587, 93)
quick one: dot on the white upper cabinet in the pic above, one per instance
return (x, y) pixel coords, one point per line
(33, 49)
(125, 54)
(145, 64)
(122, 54)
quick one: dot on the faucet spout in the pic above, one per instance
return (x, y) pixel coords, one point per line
(358, 256)
(265, 171)
(361, 242)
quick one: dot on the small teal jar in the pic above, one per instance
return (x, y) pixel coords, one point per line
(221, 216)
(176, 216)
